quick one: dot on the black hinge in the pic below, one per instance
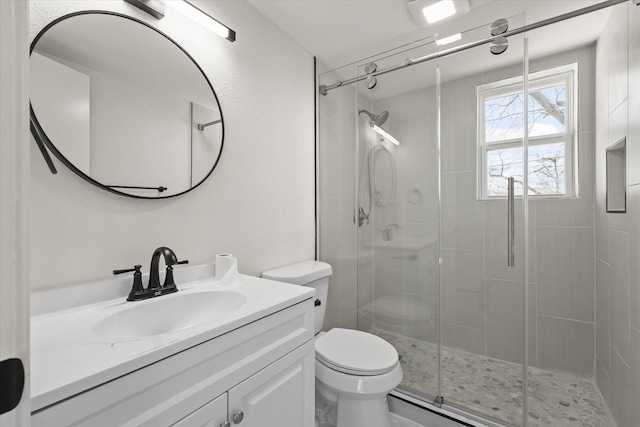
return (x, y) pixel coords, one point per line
(11, 384)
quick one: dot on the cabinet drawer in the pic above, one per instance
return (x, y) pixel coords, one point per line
(164, 392)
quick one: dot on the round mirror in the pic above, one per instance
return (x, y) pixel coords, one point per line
(123, 105)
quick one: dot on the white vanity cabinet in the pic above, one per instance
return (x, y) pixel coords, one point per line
(277, 396)
(263, 370)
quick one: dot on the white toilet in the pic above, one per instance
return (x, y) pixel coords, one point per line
(354, 370)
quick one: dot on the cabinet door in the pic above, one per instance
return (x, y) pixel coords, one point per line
(280, 395)
(213, 414)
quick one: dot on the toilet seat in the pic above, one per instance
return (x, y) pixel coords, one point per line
(355, 352)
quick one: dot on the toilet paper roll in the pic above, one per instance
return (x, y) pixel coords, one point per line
(226, 268)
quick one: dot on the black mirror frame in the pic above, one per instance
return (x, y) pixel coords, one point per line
(42, 140)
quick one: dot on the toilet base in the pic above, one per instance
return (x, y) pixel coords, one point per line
(342, 411)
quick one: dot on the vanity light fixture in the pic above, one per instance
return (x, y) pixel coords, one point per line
(154, 8)
(448, 40)
(203, 18)
(383, 133)
(431, 11)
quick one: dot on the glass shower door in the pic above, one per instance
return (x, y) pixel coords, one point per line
(482, 227)
(397, 211)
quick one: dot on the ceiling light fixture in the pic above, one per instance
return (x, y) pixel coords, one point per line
(383, 133)
(203, 18)
(426, 12)
(448, 40)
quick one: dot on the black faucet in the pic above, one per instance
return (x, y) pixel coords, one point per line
(138, 292)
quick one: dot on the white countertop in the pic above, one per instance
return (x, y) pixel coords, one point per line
(68, 357)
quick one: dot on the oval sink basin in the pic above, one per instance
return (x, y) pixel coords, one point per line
(168, 313)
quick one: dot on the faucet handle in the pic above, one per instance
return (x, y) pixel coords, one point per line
(135, 268)
(137, 290)
(184, 261)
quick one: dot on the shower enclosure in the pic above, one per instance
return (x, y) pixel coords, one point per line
(487, 291)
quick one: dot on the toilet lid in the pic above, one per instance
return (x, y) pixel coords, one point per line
(355, 352)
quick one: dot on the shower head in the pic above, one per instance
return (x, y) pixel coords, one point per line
(377, 120)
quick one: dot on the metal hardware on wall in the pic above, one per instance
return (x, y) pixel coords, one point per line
(201, 126)
(154, 8)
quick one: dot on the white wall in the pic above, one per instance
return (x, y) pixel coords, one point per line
(618, 234)
(259, 202)
(14, 191)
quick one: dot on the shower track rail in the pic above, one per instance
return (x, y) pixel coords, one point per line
(323, 89)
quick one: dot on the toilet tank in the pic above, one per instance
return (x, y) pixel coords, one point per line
(307, 273)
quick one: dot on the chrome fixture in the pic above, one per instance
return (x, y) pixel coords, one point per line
(371, 67)
(371, 82)
(377, 120)
(324, 89)
(154, 8)
(499, 26)
(499, 45)
(154, 289)
(201, 17)
(376, 123)
(201, 126)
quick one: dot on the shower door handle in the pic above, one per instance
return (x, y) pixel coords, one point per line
(510, 224)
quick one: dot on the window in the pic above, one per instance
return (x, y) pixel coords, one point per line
(551, 133)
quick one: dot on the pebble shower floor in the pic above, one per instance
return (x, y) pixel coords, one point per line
(493, 387)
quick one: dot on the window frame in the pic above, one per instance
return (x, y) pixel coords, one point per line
(565, 74)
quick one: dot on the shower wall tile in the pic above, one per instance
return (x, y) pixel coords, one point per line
(621, 399)
(633, 209)
(459, 133)
(457, 87)
(565, 262)
(505, 344)
(603, 381)
(533, 326)
(348, 262)
(421, 271)
(347, 112)
(348, 314)
(387, 281)
(463, 308)
(421, 321)
(332, 313)
(463, 269)
(635, 373)
(619, 275)
(618, 127)
(329, 155)
(346, 183)
(618, 59)
(566, 345)
(467, 339)
(462, 214)
(634, 24)
(505, 320)
(633, 140)
(505, 305)
(603, 284)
